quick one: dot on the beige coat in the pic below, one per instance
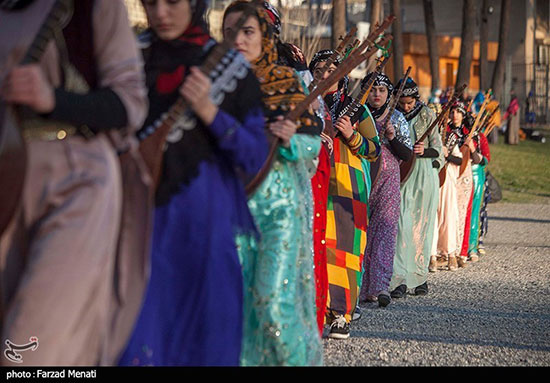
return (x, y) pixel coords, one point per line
(74, 261)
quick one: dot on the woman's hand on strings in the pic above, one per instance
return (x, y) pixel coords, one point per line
(344, 126)
(196, 91)
(27, 85)
(315, 104)
(325, 138)
(418, 149)
(389, 132)
(471, 145)
(283, 129)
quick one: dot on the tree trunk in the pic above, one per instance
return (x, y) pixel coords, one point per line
(467, 43)
(498, 75)
(483, 45)
(376, 16)
(497, 84)
(433, 49)
(397, 43)
(338, 21)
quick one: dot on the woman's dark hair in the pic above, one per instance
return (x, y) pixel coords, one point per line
(236, 6)
(285, 51)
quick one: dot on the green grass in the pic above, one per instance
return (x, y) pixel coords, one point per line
(523, 171)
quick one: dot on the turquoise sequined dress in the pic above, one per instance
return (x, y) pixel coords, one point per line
(280, 326)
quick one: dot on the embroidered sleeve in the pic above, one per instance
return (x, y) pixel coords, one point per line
(401, 127)
(369, 147)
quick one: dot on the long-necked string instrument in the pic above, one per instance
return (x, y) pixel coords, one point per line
(469, 108)
(406, 167)
(465, 149)
(489, 121)
(443, 129)
(338, 52)
(365, 90)
(153, 142)
(358, 101)
(375, 166)
(490, 125)
(351, 108)
(13, 153)
(360, 54)
(329, 129)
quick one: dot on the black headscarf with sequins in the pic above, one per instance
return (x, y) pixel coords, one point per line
(410, 89)
(459, 105)
(322, 55)
(381, 80)
(338, 99)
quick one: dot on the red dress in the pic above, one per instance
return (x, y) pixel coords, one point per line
(319, 186)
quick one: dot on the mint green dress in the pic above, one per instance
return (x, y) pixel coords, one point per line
(478, 172)
(280, 325)
(419, 202)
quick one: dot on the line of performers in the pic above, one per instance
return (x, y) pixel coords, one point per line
(211, 275)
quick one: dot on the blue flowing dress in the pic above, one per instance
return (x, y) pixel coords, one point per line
(192, 312)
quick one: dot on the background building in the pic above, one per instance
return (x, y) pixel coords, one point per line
(307, 24)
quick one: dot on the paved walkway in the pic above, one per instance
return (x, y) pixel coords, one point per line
(496, 312)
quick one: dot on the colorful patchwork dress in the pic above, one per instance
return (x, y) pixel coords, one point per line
(347, 215)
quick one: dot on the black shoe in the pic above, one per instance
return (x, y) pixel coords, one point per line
(356, 314)
(339, 328)
(422, 289)
(399, 292)
(383, 299)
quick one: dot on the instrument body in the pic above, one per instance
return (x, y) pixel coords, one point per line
(152, 144)
(406, 167)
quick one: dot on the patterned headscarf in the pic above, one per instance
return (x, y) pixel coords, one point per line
(462, 131)
(381, 80)
(321, 56)
(288, 54)
(274, 17)
(459, 105)
(281, 89)
(335, 100)
(410, 89)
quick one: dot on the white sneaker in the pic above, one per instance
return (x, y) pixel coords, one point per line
(356, 314)
(339, 328)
